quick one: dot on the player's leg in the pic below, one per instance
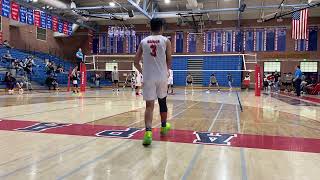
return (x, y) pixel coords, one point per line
(148, 116)
(162, 100)
(217, 84)
(171, 88)
(149, 96)
(165, 127)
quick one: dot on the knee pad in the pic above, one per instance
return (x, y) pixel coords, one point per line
(163, 104)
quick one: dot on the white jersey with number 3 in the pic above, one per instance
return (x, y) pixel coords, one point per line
(154, 58)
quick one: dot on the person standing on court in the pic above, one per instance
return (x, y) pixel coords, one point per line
(115, 79)
(297, 80)
(79, 58)
(155, 51)
(230, 80)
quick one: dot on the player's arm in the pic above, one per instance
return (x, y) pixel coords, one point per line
(138, 58)
(168, 54)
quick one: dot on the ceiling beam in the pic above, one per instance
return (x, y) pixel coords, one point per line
(145, 13)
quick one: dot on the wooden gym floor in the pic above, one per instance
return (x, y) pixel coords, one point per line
(98, 136)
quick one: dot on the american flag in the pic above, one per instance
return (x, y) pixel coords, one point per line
(299, 24)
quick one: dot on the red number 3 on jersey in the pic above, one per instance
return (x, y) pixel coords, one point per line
(153, 48)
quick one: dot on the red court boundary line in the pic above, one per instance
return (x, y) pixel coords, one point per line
(284, 143)
(306, 98)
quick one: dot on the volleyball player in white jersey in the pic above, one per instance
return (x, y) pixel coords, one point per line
(155, 51)
(170, 81)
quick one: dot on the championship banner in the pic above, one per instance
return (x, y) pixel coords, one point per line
(30, 19)
(55, 23)
(23, 14)
(6, 8)
(65, 28)
(43, 17)
(70, 29)
(49, 21)
(15, 11)
(36, 18)
(60, 26)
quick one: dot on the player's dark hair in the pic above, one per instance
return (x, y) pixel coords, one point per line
(298, 66)
(156, 24)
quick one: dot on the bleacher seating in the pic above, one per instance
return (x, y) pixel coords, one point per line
(39, 75)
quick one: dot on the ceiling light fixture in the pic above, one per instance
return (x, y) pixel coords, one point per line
(112, 4)
(167, 1)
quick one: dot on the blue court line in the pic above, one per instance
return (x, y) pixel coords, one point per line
(47, 158)
(239, 101)
(196, 154)
(242, 156)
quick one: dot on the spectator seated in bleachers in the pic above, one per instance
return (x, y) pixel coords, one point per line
(59, 69)
(6, 44)
(50, 68)
(288, 82)
(24, 82)
(7, 57)
(16, 64)
(10, 82)
(311, 86)
(51, 82)
(29, 64)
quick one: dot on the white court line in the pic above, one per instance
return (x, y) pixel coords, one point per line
(242, 156)
(199, 149)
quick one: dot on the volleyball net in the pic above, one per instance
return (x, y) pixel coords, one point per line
(241, 68)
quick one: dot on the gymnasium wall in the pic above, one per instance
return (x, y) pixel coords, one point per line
(290, 43)
(24, 37)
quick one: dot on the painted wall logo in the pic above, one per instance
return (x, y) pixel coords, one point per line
(210, 138)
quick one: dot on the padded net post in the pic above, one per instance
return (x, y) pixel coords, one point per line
(258, 80)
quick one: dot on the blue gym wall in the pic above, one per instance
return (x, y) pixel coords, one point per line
(210, 63)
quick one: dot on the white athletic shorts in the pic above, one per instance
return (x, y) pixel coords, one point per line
(74, 82)
(153, 90)
(170, 80)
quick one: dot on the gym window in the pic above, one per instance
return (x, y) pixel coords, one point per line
(271, 66)
(109, 66)
(309, 66)
(41, 34)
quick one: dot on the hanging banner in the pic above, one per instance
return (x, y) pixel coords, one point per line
(15, 11)
(37, 18)
(43, 17)
(55, 23)
(23, 14)
(65, 27)
(70, 29)
(60, 26)
(30, 19)
(49, 21)
(5, 8)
